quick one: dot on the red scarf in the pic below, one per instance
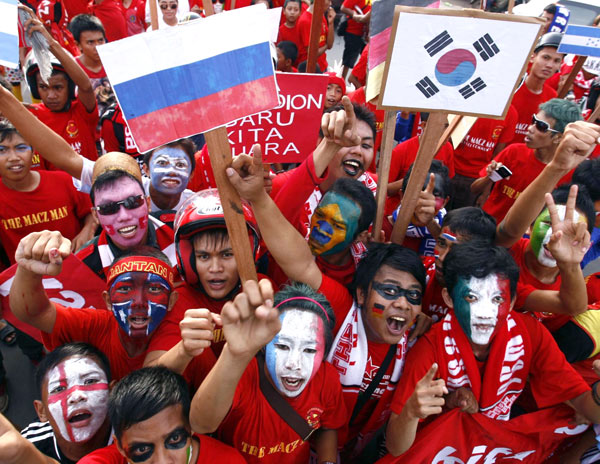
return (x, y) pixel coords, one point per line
(505, 371)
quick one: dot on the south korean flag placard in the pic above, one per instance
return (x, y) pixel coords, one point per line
(460, 61)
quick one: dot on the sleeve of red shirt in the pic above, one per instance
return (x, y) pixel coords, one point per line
(418, 361)
(308, 165)
(73, 323)
(339, 298)
(551, 377)
(510, 122)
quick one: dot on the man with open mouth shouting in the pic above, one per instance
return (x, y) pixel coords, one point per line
(479, 358)
(372, 324)
(74, 382)
(139, 294)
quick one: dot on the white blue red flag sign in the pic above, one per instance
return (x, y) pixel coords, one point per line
(581, 40)
(9, 35)
(444, 60)
(180, 81)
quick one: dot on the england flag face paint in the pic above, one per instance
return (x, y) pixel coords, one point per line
(481, 306)
(139, 302)
(170, 170)
(77, 398)
(294, 356)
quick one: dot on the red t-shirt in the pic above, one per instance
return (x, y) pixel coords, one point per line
(135, 17)
(99, 328)
(551, 378)
(433, 304)
(291, 34)
(303, 26)
(210, 449)
(360, 68)
(261, 435)
(354, 5)
(110, 13)
(54, 205)
(477, 148)
(91, 74)
(203, 176)
(527, 104)
(76, 126)
(525, 168)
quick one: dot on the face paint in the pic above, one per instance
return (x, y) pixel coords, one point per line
(481, 306)
(139, 301)
(127, 227)
(170, 170)
(378, 310)
(542, 231)
(333, 224)
(78, 397)
(294, 356)
(392, 292)
(175, 440)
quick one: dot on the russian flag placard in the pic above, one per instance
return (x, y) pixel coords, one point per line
(581, 40)
(9, 35)
(181, 81)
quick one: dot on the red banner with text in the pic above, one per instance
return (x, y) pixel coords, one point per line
(288, 133)
(76, 287)
(460, 438)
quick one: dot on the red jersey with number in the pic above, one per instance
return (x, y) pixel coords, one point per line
(99, 328)
(55, 204)
(76, 125)
(477, 148)
(254, 428)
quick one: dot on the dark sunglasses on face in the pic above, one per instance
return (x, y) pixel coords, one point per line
(172, 6)
(542, 126)
(132, 202)
(218, 1)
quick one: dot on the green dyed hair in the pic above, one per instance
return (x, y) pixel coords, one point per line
(563, 111)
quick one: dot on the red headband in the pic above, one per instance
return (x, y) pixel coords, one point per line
(141, 264)
(305, 298)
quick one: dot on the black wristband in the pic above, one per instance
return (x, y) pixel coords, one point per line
(595, 395)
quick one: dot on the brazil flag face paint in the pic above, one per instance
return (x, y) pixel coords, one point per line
(333, 225)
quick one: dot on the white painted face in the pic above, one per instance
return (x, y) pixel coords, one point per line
(78, 397)
(294, 356)
(479, 304)
(170, 170)
(542, 231)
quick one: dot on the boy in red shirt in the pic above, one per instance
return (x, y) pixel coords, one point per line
(88, 33)
(289, 31)
(287, 54)
(149, 412)
(336, 89)
(296, 327)
(325, 38)
(73, 117)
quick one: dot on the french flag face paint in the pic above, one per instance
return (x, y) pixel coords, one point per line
(139, 302)
(77, 398)
(294, 356)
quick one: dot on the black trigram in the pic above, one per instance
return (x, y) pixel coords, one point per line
(427, 87)
(486, 47)
(438, 43)
(470, 89)
(475, 86)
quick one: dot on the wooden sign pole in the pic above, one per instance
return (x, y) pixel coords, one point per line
(154, 14)
(383, 170)
(511, 5)
(564, 89)
(219, 152)
(315, 35)
(595, 114)
(447, 133)
(433, 131)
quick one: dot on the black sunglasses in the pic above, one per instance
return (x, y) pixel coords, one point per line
(132, 202)
(542, 126)
(164, 7)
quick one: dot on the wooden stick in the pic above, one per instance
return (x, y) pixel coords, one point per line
(383, 170)
(448, 132)
(220, 158)
(595, 114)
(315, 35)
(433, 131)
(154, 14)
(208, 7)
(564, 89)
(232, 5)
(511, 5)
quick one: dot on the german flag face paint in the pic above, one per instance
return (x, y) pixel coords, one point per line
(378, 310)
